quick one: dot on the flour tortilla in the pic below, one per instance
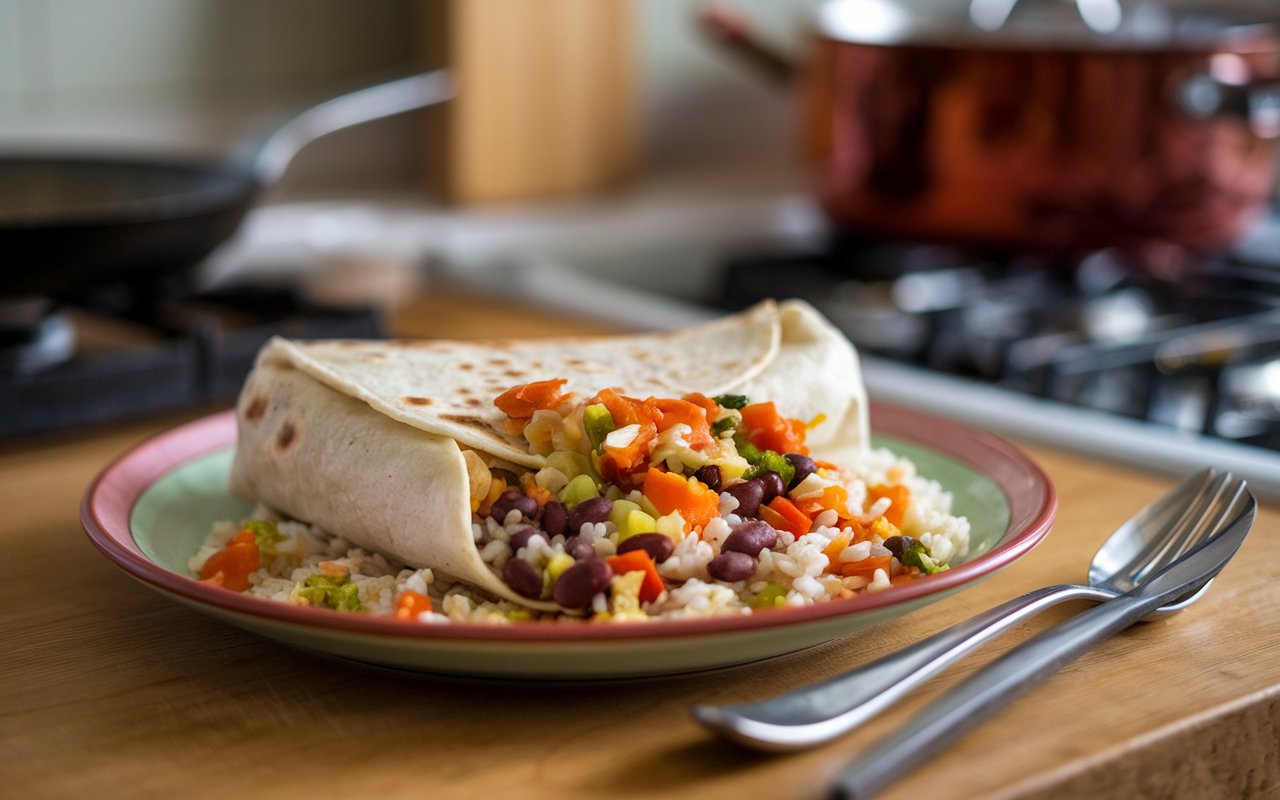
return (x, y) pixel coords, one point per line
(366, 439)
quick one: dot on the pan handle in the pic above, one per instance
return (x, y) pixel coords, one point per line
(1256, 102)
(271, 158)
(732, 31)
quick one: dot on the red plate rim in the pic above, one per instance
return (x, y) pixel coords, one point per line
(110, 499)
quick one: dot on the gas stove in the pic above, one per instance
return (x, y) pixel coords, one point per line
(117, 352)
(1171, 367)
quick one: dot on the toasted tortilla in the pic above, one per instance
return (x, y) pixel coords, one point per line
(365, 438)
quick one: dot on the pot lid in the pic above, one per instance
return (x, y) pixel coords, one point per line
(1102, 24)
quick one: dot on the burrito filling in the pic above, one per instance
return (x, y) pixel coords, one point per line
(646, 508)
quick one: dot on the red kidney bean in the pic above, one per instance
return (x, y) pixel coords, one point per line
(658, 545)
(732, 566)
(521, 576)
(521, 538)
(751, 537)
(513, 499)
(710, 475)
(593, 509)
(579, 548)
(581, 582)
(804, 467)
(898, 545)
(772, 484)
(554, 517)
(749, 495)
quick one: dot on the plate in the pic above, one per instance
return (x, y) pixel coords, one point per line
(149, 510)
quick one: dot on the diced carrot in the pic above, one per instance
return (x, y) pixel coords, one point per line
(796, 521)
(624, 410)
(640, 561)
(529, 484)
(835, 498)
(904, 577)
(670, 491)
(765, 428)
(899, 495)
(519, 402)
(409, 604)
(833, 550)
(707, 404)
(231, 566)
(866, 568)
(668, 412)
(630, 458)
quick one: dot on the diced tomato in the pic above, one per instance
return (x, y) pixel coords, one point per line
(519, 402)
(765, 428)
(409, 604)
(793, 519)
(624, 410)
(833, 550)
(666, 413)
(638, 560)
(834, 498)
(231, 566)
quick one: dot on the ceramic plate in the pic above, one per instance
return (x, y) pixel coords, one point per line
(149, 511)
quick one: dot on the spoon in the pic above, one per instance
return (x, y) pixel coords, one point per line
(1033, 662)
(1150, 540)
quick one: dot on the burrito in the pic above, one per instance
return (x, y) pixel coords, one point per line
(428, 452)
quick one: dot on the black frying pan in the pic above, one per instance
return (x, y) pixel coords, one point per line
(71, 221)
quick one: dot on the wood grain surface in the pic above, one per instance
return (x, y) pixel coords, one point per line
(110, 690)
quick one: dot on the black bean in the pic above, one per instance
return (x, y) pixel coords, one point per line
(521, 538)
(554, 517)
(751, 537)
(658, 545)
(579, 548)
(749, 495)
(731, 566)
(513, 499)
(773, 486)
(804, 467)
(581, 582)
(521, 576)
(710, 475)
(593, 509)
(898, 545)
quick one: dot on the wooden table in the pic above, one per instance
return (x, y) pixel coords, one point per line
(107, 689)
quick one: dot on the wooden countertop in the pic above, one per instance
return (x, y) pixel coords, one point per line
(108, 689)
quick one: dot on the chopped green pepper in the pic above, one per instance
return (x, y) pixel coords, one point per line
(915, 554)
(327, 591)
(763, 461)
(734, 401)
(265, 534)
(771, 596)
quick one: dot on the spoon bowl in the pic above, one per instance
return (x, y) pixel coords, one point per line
(1156, 536)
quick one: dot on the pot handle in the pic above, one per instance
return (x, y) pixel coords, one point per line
(1257, 102)
(732, 31)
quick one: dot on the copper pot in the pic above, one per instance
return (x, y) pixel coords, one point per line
(1046, 132)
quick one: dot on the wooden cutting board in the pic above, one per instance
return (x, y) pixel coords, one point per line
(109, 690)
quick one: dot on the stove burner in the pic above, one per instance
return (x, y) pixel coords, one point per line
(33, 336)
(120, 354)
(1194, 350)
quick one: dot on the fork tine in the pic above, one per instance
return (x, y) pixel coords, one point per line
(1193, 496)
(1212, 509)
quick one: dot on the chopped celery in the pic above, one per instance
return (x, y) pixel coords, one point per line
(636, 522)
(580, 488)
(598, 422)
(570, 463)
(763, 461)
(770, 596)
(621, 508)
(265, 534)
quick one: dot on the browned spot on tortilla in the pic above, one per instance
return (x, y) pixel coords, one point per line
(499, 362)
(466, 367)
(257, 408)
(536, 364)
(639, 355)
(418, 401)
(575, 362)
(464, 391)
(374, 356)
(514, 373)
(474, 402)
(286, 435)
